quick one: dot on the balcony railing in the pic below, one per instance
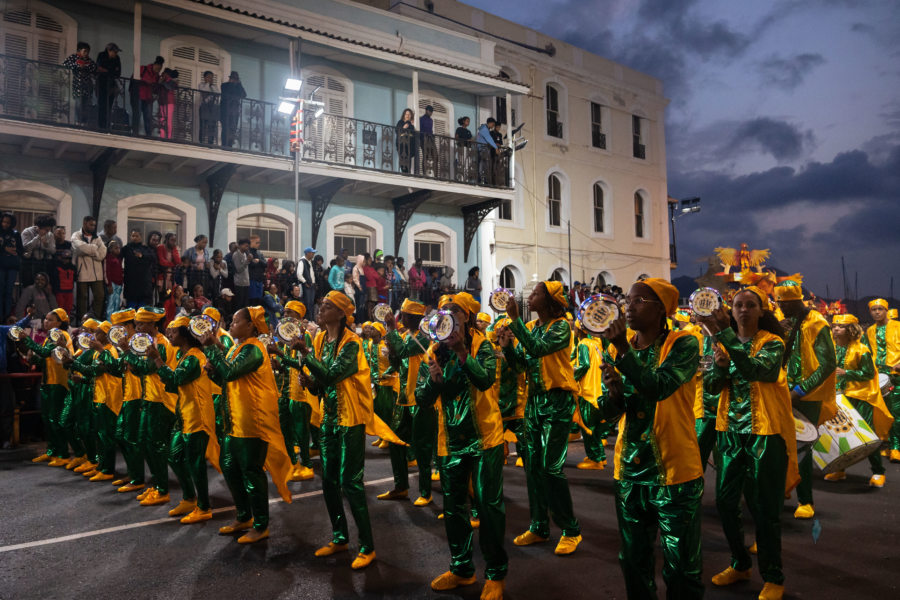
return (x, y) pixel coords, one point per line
(44, 93)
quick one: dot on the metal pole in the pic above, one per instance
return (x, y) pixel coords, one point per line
(136, 43)
(569, 225)
(673, 249)
(295, 72)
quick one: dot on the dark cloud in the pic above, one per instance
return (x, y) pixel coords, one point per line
(778, 138)
(788, 73)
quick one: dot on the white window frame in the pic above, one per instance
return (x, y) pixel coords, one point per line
(563, 95)
(565, 208)
(433, 98)
(61, 199)
(451, 255)
(168, 46)
(647, 238)
(517, 204)
(176, 205)
(605, 124)
(68, 37)
(281, 225)
(334, 222)
(608, 207)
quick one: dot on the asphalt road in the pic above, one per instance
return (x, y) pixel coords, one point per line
(64, 537)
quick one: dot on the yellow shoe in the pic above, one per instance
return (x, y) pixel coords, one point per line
(492, 590)
(567, 544)
(836, 476)
(90, 473)
(440, 516)
(753, 549)
(475, 522)
(422, 501)
(450, 581)
(772, 591)
(895, 456)
(590, 465)
(130, 487)
(184, 507)
(197, 516)
(145, 493)
(254, 535)
(393, 495)
(804, 511)
(78, 460)
(729, 576)
(101, 476)
(42, 458)
(877, 481)
(384, 445)
(83, 467)
(574, 437)
(435, 476)
(412, 464)
(58, 462)
(236, 526)
(884, 452)
(330, 549)
(362, 560)
(528, 538)
(520, 462)
(302, 473)
(155, 500)
(377, 442)
(120, 482)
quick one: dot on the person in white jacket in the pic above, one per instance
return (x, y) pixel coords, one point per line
(88, 252)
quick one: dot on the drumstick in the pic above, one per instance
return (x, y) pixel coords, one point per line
(706, 330)
(416, 340)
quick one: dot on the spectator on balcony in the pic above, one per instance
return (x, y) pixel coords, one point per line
(115, 277)
(463, 139)
(498, 176)
(137, 264)
(89, 251)
(167, 259)
(240, 258)
(148, 90)
(110, 228)
(83, 71)
(59, 239)
(307, 276)
(109, 69)
(473, 283)
(406, 140)
(257, 270)
(209, 108)
(229, 280)
(38, 295)
(218, 273)
(38, 248)
(417, 280)
(62, 280)
(487, 148)
(426, 135)
(230, 110)
(272, 304)
(336, 274)
(168, 82)
(198, 255)
(10, 263)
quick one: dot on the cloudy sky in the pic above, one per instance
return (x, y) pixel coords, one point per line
(784, 118)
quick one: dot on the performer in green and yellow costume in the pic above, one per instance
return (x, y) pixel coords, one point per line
(463, 373)
(810, 375)
(588, 363)
(384, 375)
(544, 353)
(659, 478)
(883, 339)
(757, 450)
(76, 415)
(513, 393)
(253, 438)
(218, 394)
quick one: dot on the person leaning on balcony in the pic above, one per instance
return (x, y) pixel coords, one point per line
(487, 148)
(406, 140)
(83, 71)
(230, 108)
(463, 149)
(109, 69)
(149, 87)
(89, 252)
(209, 108)
(169, 83)
(426, 133)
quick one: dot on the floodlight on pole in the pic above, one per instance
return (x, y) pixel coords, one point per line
(319, 113)
(292, 84)
(286, 107)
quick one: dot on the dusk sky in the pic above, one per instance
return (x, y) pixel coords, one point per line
(784, 117)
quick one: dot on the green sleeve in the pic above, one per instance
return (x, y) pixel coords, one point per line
(90, 367)
(482, 369)
(187, 371)
(661, 382)
(715, 379)
(404, 348)
(515, 357)
(865, 372)
(824, 350)
(247, 360)
(140, 365)
(765, 366)
(42, 350)
(343, 366)
(427, 391)
(227, 341)
(583, 353)
(112, 365)
(557, 338)
(291, 361)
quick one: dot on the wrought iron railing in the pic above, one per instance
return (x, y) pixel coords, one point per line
(44, 92)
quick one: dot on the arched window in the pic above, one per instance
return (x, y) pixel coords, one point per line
(147, 218)
(559, 274)
(355, 238)
(35, 32)
(507, 279)
(599, 209)
(639, 221)
(27, 206)
(432, 247)
(554, 201)
(604, 278)
(157, 212)
(553, 103)
(192, 56)
(273, 234)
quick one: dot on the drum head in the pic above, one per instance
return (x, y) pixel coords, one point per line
(265, 338)
(381, 311)
(15, 333)
(884, 383)
(597, 313)
(55, 334)
(84, 341)
(441, 325)
(200, 326)
(60, 354)
(805, 430)
(288, 329)
(499, 299)
(705, 301)
(117, 334)
(140, 343)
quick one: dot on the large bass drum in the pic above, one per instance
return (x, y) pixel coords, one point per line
(844, 440)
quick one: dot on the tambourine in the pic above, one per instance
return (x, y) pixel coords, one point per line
(200, 325)
(706, 362)
(442, 325)
(84, 340)
(597, 313)
(423, 325)
(499, 299)
(140, 343)
(381, 311)
(705, 301)
(265, 339)
(60, 354)
(117, 334)
(288, 330)
(15, 333)
(55, 335)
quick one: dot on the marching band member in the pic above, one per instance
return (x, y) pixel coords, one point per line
(54, 387)
(755, 434)
(857, 380)
(463, 373)
(386, 378)
(483, 321)
(339, 373)
(883, 339)
(253, 438)
(76, 414)
(544, 352)
(513, 393)
(193, 440)
(706, 406)
(587, 361)
(810, 375)
(659, 478)
(107, 403)
(218, 394)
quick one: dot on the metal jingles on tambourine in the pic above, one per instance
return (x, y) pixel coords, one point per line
(705, 301)
(442, 325)
(117, 335)
(61, 354)
(265, 339)
(200, 325)
(381, 311)
(15, 333)
(423, 324)
(288, 329)
(500, 299)
(55, 335)
(597, 313)
(140, 343)
(84, 340)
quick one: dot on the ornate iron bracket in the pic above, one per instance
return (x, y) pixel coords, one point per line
(473, 215)
(216, 184)
(404, 207)
(100, 170)
(321, 198)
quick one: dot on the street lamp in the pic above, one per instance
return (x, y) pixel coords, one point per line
(677, 209)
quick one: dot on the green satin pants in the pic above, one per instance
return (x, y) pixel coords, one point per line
(866, 411)
(486, 473)
(128, 427)
(706, 437)
(594, 442)
(674, 511)
(156, 432)
(68, 418)
(385, 399)
(53, 402)
(301, 412)
(548, 418)
(343, 461)
(219, 403)
(242, 465)
(811, 410)
(424, 433)
(187, 457)
(754, 466)
(105, 426)
(286, 421)
(517, 426)
(401, 423)
(893, 404)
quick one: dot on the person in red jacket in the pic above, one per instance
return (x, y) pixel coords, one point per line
(148, 90)
(62, 280)
(168, 258)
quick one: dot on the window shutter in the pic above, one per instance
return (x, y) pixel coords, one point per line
(441, 115)
(15, 45)
(18, 17)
